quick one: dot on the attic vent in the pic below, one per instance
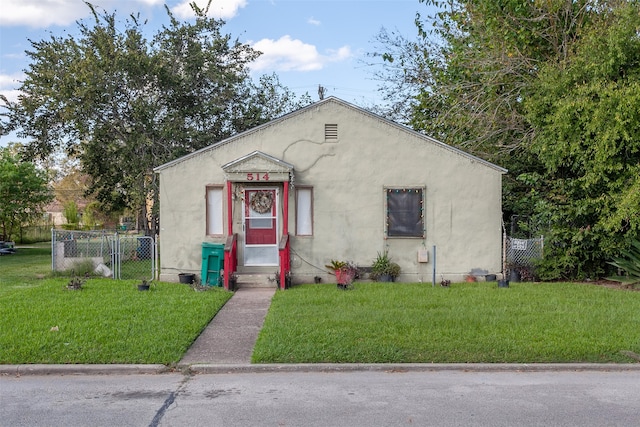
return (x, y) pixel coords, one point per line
(331, 132)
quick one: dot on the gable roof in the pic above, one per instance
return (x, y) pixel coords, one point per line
(344, 104)
(260, 160)
(257, 161)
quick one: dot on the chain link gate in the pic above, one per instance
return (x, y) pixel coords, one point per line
(521, 249)
(521, 256)
(524, 252)
(111, 254)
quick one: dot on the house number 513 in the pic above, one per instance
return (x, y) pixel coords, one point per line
(258, 176)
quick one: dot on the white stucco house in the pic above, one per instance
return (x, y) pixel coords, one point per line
(331, 181)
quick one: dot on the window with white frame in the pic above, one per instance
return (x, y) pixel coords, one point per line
(214, 210)
(304, 211)
(405, 212)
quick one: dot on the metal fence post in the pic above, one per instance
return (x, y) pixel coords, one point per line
(53, 249)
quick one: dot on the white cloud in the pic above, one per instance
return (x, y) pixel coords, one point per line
(220, 9)
(45, 13)
(12, 94)
(313, 21)
(286, 54)
(8, 85)
(41, 14)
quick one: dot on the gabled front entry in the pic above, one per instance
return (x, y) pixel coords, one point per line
(258, 199)
(260, 226)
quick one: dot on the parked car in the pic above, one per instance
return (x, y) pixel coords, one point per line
(6, 248)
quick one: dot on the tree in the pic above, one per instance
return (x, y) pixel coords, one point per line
(472, 64)
(23, 193)
(72, 186)
(584, 110)
(71, 214)
(122, 104)
(266, 101)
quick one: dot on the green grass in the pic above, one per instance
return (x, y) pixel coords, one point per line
(112, 322)
(417, 323)
(108, 321)
(23, 269)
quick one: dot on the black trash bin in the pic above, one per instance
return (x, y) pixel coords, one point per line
(187, 278)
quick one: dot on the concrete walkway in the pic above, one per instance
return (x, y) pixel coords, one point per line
(232, 334)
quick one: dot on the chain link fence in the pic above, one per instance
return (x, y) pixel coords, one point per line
(119, 256)
(522, 253)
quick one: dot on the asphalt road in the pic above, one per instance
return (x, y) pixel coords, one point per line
(352, 398)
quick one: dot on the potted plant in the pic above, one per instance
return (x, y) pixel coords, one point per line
(75, 284)
(233, 281)
(287, 279)
(345, 272)
(470, 278)
(143, 285)
(186, 278)
(383, 269)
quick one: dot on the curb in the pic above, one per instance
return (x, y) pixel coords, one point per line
(205, 368)
(43, 369)
(406, 367)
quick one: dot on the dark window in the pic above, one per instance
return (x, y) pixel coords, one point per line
(405, 212)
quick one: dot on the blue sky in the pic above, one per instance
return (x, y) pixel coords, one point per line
(306, 42)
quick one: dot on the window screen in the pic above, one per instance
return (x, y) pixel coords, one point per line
(214, 211)
(304, 211)
(405, 212)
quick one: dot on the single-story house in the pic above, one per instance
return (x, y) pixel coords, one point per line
(331, 181)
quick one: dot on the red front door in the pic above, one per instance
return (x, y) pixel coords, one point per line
(260, 226)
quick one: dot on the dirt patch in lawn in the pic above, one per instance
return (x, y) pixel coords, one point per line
(616, 285)
(611, 284)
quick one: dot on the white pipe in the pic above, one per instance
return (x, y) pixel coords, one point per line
(433, 283)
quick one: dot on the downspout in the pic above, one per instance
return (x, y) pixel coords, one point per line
(433, 283)
(504, 251)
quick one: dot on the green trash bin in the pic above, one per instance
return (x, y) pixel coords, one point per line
(212, 264)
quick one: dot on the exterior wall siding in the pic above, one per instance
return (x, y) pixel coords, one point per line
(462, 206)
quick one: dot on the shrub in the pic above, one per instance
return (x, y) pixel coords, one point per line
(629, 262)
(384, 266)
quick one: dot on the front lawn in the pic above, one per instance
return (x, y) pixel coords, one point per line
(112, 322)
(107, 321)
(479, 322)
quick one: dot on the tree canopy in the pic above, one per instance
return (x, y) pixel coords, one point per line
(547, 89)
(123, 104)
(23, 192)
(584, 110)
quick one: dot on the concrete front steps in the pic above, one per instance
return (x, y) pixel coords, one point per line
(256, 280)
